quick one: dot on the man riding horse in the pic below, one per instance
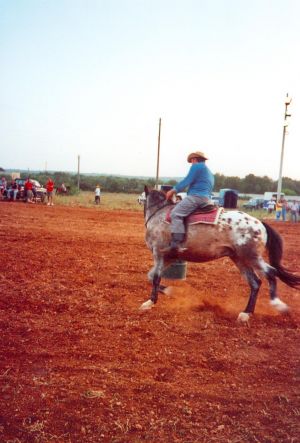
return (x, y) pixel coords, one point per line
(200, 183)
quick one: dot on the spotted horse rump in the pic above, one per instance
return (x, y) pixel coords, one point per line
(243, 228)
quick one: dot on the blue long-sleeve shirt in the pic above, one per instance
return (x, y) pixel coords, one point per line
(199, 181)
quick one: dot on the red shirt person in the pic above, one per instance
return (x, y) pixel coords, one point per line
(28, 185)
(50, 185)
(50, 191)
(28, 190)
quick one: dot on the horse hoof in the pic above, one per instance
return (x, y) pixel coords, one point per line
(243, 317)
(146, 305)
(279, 305)
(166, 290)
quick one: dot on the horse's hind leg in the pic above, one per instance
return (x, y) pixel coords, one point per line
(270, 274)
(163, 289)
(254, 283)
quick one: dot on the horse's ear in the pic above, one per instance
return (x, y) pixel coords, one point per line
(146, 190)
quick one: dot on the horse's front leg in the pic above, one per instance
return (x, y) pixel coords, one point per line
(155, 288)
(155, 276)
(162, 288)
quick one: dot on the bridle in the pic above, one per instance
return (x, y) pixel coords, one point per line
(166, 203)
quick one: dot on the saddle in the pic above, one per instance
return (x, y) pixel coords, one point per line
(208, 214)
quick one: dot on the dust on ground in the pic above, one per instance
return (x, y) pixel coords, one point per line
(80, 362)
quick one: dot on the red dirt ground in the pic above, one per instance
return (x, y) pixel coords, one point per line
(80, 362)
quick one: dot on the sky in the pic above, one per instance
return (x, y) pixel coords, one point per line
(92, 78)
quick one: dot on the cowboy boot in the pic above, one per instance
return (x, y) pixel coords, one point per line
(174, 247)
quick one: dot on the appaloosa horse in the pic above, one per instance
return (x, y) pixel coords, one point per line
(236, 235)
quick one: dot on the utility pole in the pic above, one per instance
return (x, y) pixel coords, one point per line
(158, 153)
(285, 125)
(78, 173)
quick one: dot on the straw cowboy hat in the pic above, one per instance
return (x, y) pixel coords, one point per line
(196, 154)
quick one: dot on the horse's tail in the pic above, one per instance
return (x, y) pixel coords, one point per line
(275, 249)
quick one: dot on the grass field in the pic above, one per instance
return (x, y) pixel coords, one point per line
(109, 201)
(114, 201)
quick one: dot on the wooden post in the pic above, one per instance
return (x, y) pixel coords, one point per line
(78, 173)
(285, 124)
(158, 153)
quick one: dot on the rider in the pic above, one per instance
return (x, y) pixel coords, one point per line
(200, 183)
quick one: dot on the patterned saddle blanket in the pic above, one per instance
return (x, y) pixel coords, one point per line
(209, 217)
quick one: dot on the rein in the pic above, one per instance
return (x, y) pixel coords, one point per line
(167, 203)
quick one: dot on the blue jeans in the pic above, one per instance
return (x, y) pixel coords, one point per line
(294, 216)
(283, 213)
(184, 208)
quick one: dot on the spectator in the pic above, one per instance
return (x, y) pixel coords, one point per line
(14, 190)
(3, 186)
(284, 209)
(34, 193)
(278, 209)
(294, 207)
(63, 188)
(97, 195)
(50, 191)
(28, 190)
(271, 206)
(9, 191)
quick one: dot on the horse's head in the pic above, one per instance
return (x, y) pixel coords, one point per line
(154, 198)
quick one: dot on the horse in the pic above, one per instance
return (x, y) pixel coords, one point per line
(62, 190)
(236, 235)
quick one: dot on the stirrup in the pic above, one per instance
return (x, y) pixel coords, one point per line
(173, 250)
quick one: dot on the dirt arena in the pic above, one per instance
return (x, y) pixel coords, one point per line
(80, 363)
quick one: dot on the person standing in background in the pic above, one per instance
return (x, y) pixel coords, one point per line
(284, 209)
(15, 190)
(278, 209)
(294, 208)
(3, 185)
(271, 206)
(97, 195)
(28, 190)
(50, 191)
